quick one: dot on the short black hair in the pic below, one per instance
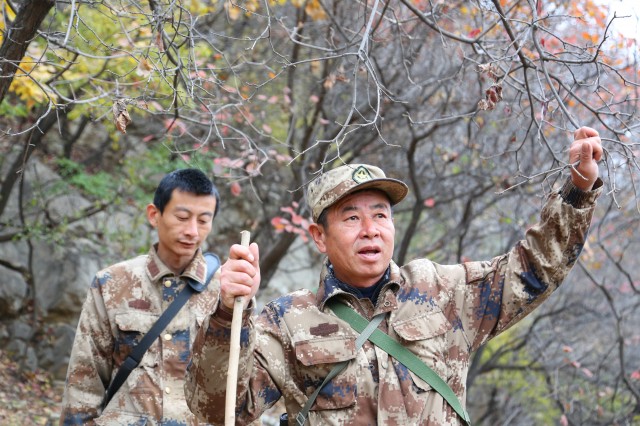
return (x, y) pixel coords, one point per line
(192, 181)
(322, 219)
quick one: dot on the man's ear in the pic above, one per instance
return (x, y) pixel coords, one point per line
(152, 215)
(318, 234)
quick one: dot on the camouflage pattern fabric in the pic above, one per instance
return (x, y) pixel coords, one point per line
(122, 304)
(441, 313)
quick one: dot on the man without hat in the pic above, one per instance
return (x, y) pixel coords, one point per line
(124, 302)
(440, 313)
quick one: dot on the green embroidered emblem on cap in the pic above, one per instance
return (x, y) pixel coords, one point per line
(361, 174)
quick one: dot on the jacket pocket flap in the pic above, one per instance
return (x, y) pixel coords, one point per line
(135, 321)
(422, 327)
(325, 351)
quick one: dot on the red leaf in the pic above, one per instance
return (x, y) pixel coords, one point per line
(236, 189)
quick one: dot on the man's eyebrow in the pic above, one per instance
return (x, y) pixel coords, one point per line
(349, 207)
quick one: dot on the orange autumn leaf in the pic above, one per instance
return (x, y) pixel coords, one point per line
(593, 38)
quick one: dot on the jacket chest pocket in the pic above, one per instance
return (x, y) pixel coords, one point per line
(427, 336)
(315, 360)
(132, 327)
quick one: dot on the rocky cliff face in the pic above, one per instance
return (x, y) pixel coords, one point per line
(44, 276)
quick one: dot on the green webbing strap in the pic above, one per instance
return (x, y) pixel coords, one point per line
(401, 354)
(364, 335)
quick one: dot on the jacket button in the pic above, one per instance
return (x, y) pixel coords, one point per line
(167, 389)
(167, 336)
(167, 283)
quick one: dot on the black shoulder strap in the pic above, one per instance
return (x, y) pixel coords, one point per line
(134, 358)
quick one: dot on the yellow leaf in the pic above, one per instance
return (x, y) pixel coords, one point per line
(315, 10)
(233, 11)
(197, 7)
(6, 14)
(252, 5)
(25, 81)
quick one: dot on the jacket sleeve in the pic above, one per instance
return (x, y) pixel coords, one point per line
(90, 364)
(499, 293)
(206, 379)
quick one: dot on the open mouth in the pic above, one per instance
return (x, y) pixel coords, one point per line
(369, 252)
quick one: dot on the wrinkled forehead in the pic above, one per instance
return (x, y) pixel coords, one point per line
(367, 198)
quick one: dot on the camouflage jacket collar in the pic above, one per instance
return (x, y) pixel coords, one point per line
(156, 269)
(330, 286)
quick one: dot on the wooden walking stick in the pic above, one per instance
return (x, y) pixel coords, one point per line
(234, 350)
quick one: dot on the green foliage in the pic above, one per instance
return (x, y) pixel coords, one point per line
(8, 110)
(96, 186)
(522, 380)
(134, 180)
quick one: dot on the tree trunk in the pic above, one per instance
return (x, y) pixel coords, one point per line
(19, 34)
(33, 140)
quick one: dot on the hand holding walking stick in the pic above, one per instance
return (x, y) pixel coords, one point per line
(234, 350)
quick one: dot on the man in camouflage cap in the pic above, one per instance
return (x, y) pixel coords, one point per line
(126, 299)
(441, 313)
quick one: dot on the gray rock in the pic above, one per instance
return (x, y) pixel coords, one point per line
(21, 330)
(13, 290)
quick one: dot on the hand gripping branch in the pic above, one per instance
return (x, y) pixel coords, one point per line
(234, 350)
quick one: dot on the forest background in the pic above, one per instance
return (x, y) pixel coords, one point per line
(472, 103)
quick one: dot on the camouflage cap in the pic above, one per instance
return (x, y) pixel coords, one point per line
(330, 187)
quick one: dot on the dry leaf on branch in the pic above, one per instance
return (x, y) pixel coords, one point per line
(490, 70)
(121, 115)
(493, 95)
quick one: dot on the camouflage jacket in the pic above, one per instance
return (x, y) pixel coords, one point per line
(123, 302)
(441, 313)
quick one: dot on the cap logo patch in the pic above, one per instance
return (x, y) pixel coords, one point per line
(361, 174)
